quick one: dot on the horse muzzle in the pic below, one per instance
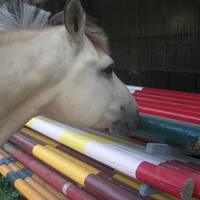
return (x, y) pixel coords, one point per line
(126, 126)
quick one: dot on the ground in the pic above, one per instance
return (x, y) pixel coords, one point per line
(7, 191)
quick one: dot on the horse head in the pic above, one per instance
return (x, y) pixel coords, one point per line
(93, 96)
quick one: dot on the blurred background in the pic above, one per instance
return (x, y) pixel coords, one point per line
(154, 43)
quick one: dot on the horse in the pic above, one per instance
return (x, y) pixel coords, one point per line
(63, 72)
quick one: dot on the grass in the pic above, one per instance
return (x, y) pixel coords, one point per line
(7, 191)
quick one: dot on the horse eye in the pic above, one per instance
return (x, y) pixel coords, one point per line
(109, 69)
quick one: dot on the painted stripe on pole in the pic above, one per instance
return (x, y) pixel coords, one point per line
(58, 162)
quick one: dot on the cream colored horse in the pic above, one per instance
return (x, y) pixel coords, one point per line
(63, 72)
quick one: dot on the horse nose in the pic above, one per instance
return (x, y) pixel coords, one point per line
(126, 126)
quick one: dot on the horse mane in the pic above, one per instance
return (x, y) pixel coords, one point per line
(20, 14)
(96, 35)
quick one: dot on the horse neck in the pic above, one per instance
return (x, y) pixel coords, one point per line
(8, 37)
(47, 48)
(43, 51)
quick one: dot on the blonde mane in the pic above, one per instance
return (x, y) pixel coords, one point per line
(92, 31)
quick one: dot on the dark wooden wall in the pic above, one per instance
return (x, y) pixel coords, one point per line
(154, 42)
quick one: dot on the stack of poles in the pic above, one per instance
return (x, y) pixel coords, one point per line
(168, 116)
(131, 161)
(103, 187)
(105, 170)
(30, 185)
(57, 181)
(180, 106)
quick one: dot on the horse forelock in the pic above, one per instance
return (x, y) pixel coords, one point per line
(94, 33)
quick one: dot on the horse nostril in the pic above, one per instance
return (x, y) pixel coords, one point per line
(122, 108)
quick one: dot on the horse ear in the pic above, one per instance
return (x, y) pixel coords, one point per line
(74, 19)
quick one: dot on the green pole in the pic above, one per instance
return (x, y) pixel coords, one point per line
(177, 134)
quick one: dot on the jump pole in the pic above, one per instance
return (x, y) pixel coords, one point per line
(186, 173)
(165, 97)
(176, 94)
(167, 104)
(169, 115)
(174, 133)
